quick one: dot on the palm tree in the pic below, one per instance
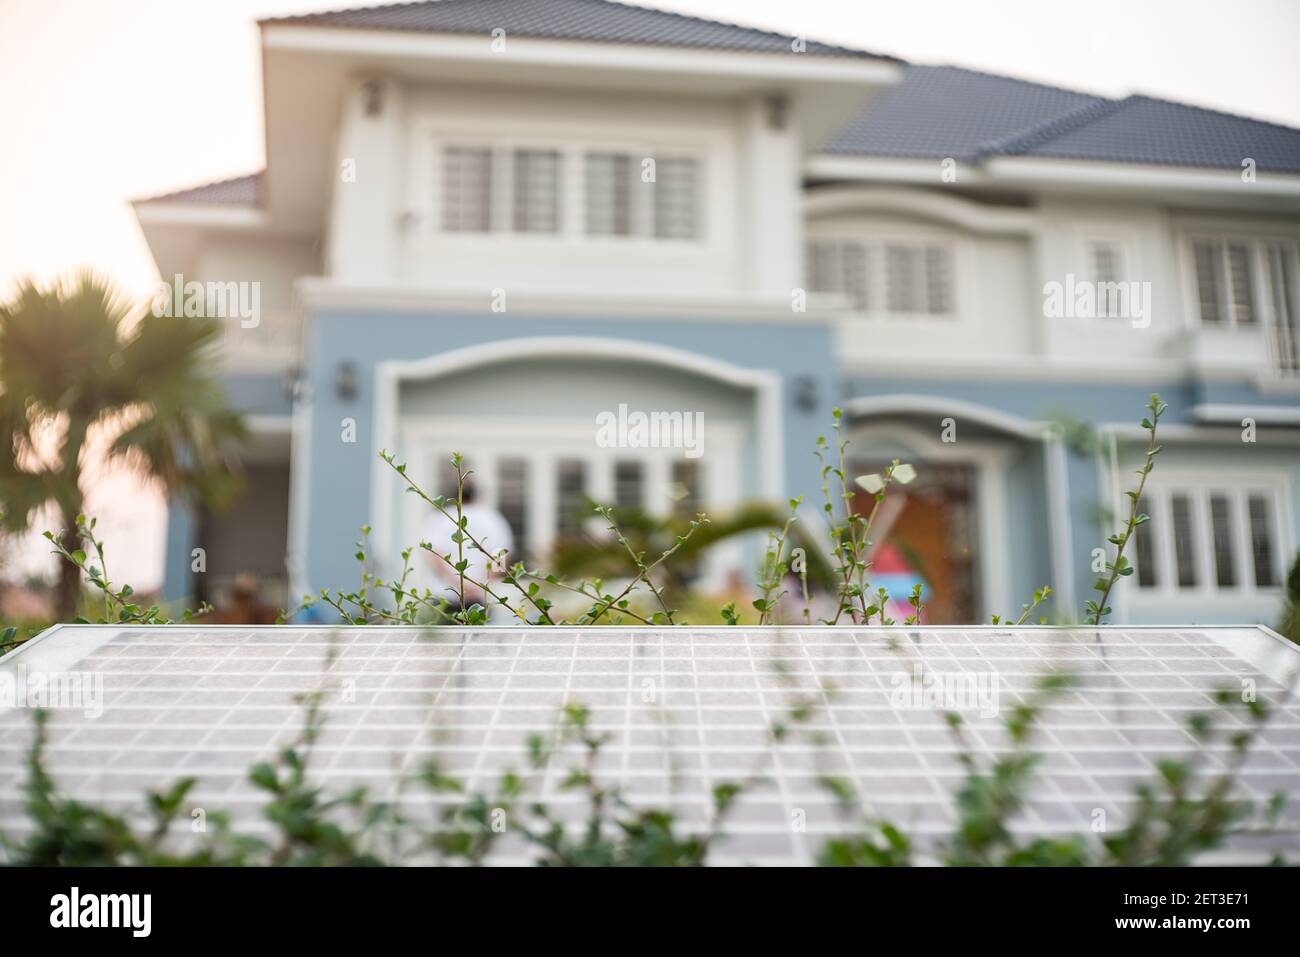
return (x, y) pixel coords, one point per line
(78, 359)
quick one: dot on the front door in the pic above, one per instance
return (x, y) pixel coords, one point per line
(925, 533)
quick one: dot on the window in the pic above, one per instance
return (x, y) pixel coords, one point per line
(1208, 537)
(512, 500)
(619, 203)
(687, 488)
(571, 481)
(902, 274)
(1225, 286)
(537, 191)
(896, 277)
(1105, 258)
(1282, 266)
(1243, 299)
(1209, 281)
(629, 485)
(1184, 540)
(1248, 283)
(1145, 545)
(841, 267)
(520, 189)
(676, 200)
(1261, 541)
(609, 194)
(544, 481)
(466, 189)
(1225, 563)
(938, 281)
(1229, 290)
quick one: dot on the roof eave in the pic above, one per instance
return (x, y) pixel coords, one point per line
(617, 57)
(1056, 174)
(206, 215)
(1086, 175)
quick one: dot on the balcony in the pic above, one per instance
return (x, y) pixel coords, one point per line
(273, 344)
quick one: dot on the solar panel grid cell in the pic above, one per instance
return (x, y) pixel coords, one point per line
(683, 709)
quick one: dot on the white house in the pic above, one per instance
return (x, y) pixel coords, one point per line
(483, 223)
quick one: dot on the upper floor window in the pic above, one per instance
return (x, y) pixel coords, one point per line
(466, 189)
(536, 191)
(893, 276)
(1244, 283)
(628, 195)
(676, 197)
(610, 186)
(1105, 260)
(1238, 281)
(1225, 287)
(1209, 538)
(469, 193)
(1284, 294)
(522, 190)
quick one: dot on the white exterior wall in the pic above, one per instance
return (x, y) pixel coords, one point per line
(994, 310)
(1142, 233)
(275, 264)
(364, 230)
(1001, 277)
(384, 227)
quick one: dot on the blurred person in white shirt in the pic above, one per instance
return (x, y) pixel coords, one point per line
(490, 529)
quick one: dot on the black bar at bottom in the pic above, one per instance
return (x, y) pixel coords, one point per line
(333, 907)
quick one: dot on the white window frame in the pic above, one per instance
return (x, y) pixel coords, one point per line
(1237, 487)
(438, 188)
(542, 445)
(1227, 307)
(426, 189)
(1077, 245)
(1093, 240)
(1261, 288)
(878, 240)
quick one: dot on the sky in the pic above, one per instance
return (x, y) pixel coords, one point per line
(105, 100)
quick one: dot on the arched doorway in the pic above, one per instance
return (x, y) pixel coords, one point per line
(531, 416)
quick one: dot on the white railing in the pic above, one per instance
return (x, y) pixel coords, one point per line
(273, 341)
(1284, 348)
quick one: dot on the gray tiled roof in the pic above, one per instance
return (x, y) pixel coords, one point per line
(598, 20)
(944, 111)
(1141, 129)
(935, 112)
(940, 111)
(240, 191)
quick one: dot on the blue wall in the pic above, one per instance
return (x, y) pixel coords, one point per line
(1107, 403)
(340, 472)
(339, 501)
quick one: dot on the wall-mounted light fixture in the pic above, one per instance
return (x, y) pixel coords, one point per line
(778, 111)
(345, 381)
(806, 393)
(373, 91)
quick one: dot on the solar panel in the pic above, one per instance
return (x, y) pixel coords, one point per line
(684, 709)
